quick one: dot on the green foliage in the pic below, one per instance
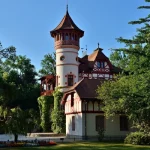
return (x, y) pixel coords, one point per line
(101, 133)
(57, 98)
(9, 52)
(57, 115)
(48, 65)
(44, 107)
(138, 138)
(17, 81)
(129, 92)
(58, 121)
(16, 121)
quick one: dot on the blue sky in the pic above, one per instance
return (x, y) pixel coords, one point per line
(25, 24)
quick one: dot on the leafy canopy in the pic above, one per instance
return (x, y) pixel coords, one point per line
(129, 92)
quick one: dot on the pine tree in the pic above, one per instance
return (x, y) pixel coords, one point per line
(130, 93)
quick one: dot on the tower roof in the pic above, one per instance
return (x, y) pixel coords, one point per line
(67, 24)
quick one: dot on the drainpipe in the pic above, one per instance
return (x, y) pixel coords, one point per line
(85, 121)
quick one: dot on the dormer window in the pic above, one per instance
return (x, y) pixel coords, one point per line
(100, 64)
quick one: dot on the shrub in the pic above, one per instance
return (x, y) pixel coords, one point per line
(138, 138)
(100, 134)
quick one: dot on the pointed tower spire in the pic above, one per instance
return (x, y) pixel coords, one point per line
(67, 8)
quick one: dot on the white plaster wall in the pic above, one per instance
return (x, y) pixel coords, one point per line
(69, 64)
(77, 104)
(112, 125)
(78, 124)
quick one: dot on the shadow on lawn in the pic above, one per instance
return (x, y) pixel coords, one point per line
(88, 146)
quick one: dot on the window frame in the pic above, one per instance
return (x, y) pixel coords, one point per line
(98, 122)
(100, 64)
(124, 123)
(73, 123)
(62, 58)
(70, 83)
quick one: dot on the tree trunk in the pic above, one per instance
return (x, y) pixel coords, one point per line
(15, 138)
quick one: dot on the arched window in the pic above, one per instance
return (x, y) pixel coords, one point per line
(57, 37)
(62, 36)
(75, 37)
(100, 64)
(72, 37)
(69, 36)
(66, 36)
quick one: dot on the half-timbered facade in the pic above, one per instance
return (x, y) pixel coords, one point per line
(79, 79)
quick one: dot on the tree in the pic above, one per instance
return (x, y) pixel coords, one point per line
(129, 93)
(9, 52)
(19, 76)
(48, 65)
(16, 121)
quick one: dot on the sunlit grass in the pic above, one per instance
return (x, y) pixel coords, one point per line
(89, 146)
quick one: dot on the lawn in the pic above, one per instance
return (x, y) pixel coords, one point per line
(89, 146)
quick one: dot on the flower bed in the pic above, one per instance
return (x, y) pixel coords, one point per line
(27, 144)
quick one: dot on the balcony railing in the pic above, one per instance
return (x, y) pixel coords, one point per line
(67, 42)
(47, 92)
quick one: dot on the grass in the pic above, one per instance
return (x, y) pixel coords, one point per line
(89, 146)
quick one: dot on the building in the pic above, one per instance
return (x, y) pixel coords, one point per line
(78, 79)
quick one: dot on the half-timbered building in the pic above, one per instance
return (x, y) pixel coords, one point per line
(79, 79)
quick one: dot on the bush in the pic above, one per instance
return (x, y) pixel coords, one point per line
(100, 134)
(138, 138)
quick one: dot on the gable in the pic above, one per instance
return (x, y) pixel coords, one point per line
(96, 62)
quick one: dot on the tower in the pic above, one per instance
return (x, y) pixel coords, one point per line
(67, 43)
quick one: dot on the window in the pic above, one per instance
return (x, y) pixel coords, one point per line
(100, 64)
(62, 58)
(48, 87)
(57, 37)
(99, 122)
(75, 37)
(70, 80)
(123, 123)
(72, 37)
(66, 37)
(73, 123)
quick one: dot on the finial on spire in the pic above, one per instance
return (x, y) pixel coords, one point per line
(98, 44)
(86, 47)
(67, 6)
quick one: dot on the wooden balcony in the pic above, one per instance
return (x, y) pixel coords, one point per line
(47, 92)
(47, 85)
